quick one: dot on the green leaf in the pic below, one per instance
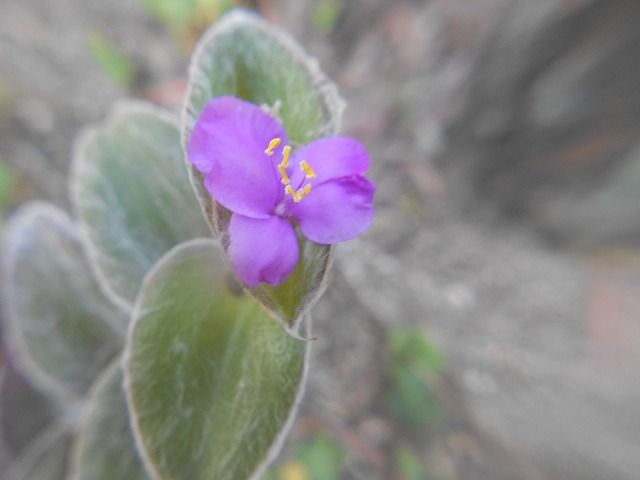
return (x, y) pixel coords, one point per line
(104, 448)
(244, 56)
(45, 459)
(132, 195)
(62, 330)
(212, 381)
(290, 300)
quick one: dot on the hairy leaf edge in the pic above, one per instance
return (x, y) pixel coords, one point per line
(16, 343)
(278, 442)
(121, 110)
(332, 102)
(85, 417)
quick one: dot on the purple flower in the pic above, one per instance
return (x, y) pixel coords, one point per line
(249, 169)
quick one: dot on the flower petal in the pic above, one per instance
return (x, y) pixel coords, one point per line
(227, 145)
(263, 250)
(336, 210)
(331, 158)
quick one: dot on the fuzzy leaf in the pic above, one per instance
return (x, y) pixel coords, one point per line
(45, 459)
(244, 56)
(104, 448)
(62, 330)
(212, 381)
(132, 195)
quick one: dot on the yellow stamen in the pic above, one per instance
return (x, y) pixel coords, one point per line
(286, 151)
(283, 173)
(299, 195)
(302, 193)
(306, 168)
(272, 145)
(282, 167)
(290, 191)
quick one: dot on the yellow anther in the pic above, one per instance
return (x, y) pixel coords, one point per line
(302, 193)
(282, 167)
(289, 190)
(286, 151)
(272, 145)
(306, 168)
(283, 173)
(299, 195)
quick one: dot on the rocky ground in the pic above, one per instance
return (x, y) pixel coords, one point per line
(502, 133)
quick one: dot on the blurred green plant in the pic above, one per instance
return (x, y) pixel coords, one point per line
(408, 465)
(320, 458)
(187, 18)
(325, 14)
(8, 184)
(115, 64)
(414, 365)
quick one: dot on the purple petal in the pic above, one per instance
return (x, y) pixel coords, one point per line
(331, 158)
(263, 250)
(336, 210)
(227, 145)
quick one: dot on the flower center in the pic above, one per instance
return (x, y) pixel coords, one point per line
(304, 190)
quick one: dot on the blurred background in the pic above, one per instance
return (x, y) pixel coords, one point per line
(488, 325)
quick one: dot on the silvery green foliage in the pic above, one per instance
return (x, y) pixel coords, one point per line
(244, 56)
(132, 196)
(104, 448)
(210, 380)
(61, 329)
